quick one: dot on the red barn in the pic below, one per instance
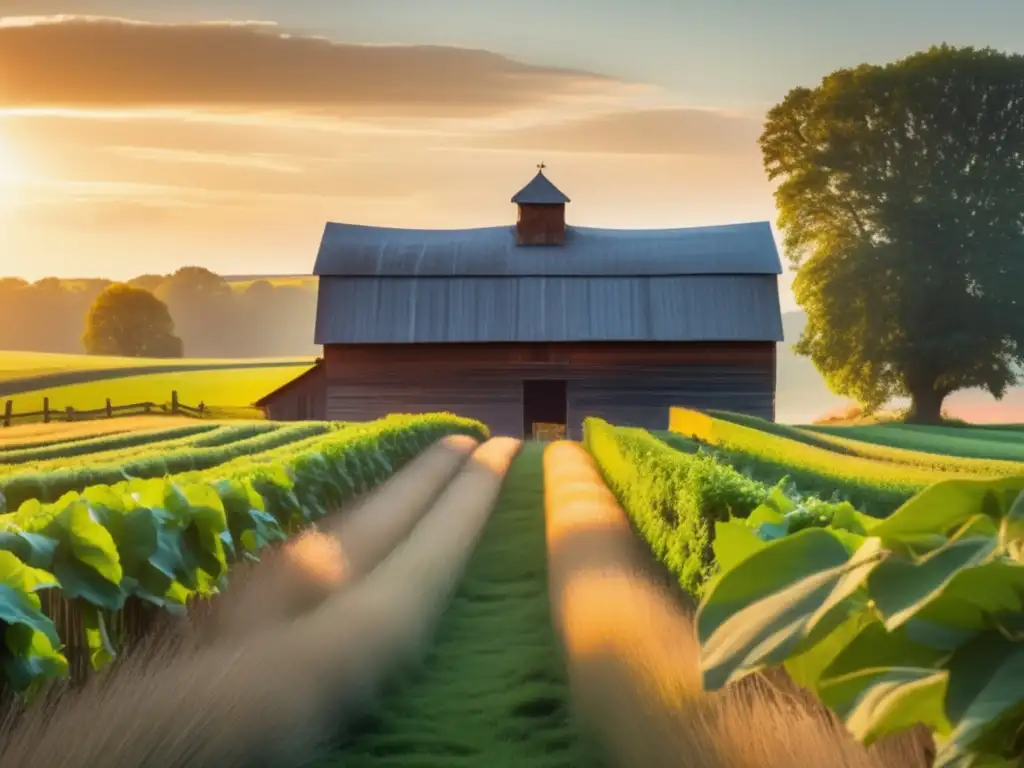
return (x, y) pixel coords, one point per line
(541, 322)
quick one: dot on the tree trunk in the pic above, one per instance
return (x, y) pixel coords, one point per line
(925, 406)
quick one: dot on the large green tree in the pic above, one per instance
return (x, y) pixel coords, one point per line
(901, 200)
(129, 321)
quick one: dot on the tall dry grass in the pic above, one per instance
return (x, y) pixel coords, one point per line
(633, 655)
(306, 571)
(276, 696)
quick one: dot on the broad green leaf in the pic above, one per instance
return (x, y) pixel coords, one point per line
(902, 586)
(137, 537)
(734, 542)
(101, 647)
(79, 580)
(31, 548)
(167, 557)
(986, 687)
(873, 646)
(178, 594)
(31, 658)
(24, 578)
(879, 701)
(771, 568)
(763, 609)
(17, 608)
(806, 668)
(945, 624)
(945, 506)
(203, 507)
(845, 517)
(91, 543)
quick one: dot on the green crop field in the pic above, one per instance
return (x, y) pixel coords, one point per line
(451, 645)
(979, 443)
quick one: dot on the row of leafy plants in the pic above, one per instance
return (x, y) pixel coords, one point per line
(101, 443)
(917, 618)
(220, 435)
(937, 452)
(165, 540)
(674, 492)
(875, 487)
(48, 484)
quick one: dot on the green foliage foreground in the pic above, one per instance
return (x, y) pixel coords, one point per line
(918, 618)
(168, 539)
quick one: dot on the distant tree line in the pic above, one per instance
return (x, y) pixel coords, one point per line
(210, 316)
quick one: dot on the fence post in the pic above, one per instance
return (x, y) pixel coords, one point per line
(174, 401)
(110, 409)
(8, 412)
(71, 413)
(46, 410)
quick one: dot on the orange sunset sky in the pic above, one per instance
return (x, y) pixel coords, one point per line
(140, 136)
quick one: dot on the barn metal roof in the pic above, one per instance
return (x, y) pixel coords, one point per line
(732, 249)
(540, 191)
(383, 310)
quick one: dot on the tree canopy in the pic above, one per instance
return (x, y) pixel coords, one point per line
(901, 200)
(132, 322)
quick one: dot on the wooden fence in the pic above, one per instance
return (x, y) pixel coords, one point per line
(49, 413)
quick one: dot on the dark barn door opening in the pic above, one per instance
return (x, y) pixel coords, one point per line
(544, 408)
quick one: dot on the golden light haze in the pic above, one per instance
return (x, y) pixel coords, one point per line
(129, 147)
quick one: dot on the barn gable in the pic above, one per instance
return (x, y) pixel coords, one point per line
(545, 322)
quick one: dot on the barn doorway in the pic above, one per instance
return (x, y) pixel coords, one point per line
(544, 409)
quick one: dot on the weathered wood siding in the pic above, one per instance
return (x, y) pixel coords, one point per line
(643, 397)
(301, 400)
(629, 384)
(493, 400)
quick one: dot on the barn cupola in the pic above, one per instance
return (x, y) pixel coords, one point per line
(541, 212)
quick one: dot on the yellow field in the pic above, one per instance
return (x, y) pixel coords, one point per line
(232, 387)
(17, 365)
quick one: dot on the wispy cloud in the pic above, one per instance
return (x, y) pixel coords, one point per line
(98, 62)
(674, 131)
(259, 161)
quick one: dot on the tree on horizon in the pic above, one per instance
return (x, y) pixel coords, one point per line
(901, 201)
(130, 322)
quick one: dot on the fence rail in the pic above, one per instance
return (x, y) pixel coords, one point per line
(174, 408)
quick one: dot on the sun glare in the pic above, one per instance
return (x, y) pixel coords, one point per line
(11, 167)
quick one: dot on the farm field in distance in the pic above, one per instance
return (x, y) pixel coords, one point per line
(85, 382)
(15, 365)
(236, 387)
(434, 621)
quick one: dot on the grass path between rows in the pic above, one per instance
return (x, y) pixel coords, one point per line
(493, 690)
